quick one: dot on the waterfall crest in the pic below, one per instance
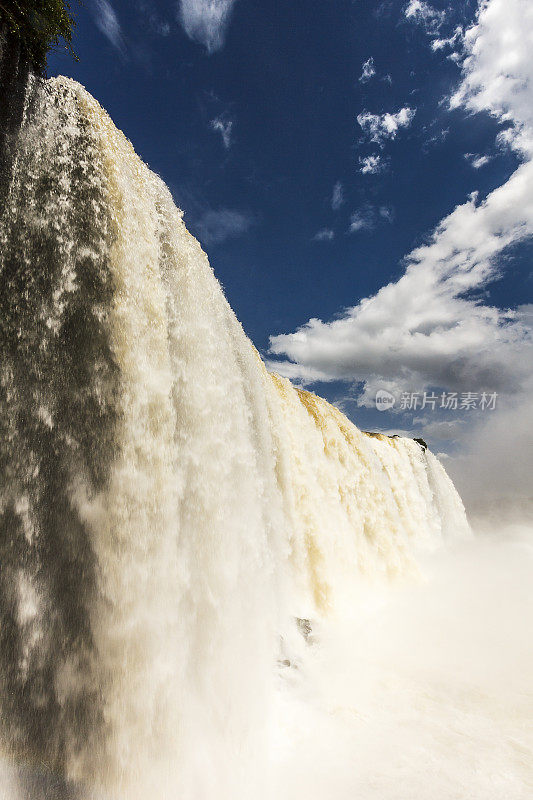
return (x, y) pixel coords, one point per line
(167, 507)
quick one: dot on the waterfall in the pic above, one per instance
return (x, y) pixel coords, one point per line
(168, 508)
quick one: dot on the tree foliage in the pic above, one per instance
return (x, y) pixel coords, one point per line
(40, 25)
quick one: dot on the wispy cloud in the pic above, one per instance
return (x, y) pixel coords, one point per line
(214, 227)
(206, 21)
(424, 14)
(107, 22)
(368, 216)
(224, 126)
(210, 225)
(324, 235)
(362, 220)
(386, 213)
(450, 41)
(159, 26)
(372, 165)
(337, 197)
(437, 138)
(380, 127)
(368, 70)
(151, 18)
(477, 161)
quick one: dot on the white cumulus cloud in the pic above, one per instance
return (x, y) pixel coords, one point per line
(372, 165)
(433, 327)
(380, 127)
(498, 69)
(424, 14)
(206, 21)
(477, 161)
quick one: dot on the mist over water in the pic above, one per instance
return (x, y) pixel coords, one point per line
(213, 585)
(422, 690)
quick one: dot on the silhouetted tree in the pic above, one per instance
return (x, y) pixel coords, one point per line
(39, 25)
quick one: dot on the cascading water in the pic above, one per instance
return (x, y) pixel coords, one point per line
(168, 508)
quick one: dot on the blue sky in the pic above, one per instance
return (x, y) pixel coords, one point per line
(318, 150)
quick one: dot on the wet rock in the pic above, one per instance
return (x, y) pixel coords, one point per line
(304, 626)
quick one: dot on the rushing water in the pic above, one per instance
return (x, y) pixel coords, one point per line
(179, 529)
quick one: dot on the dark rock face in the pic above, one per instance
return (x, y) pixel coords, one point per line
(420, 442)
(15, 71)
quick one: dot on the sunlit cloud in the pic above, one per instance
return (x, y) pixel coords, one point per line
(425, 15)
(432, 327)
(107, 22)
(206, 21)
(372, 165)
(224, 126)
(380, 127)
(477, 161)
(368, 70)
